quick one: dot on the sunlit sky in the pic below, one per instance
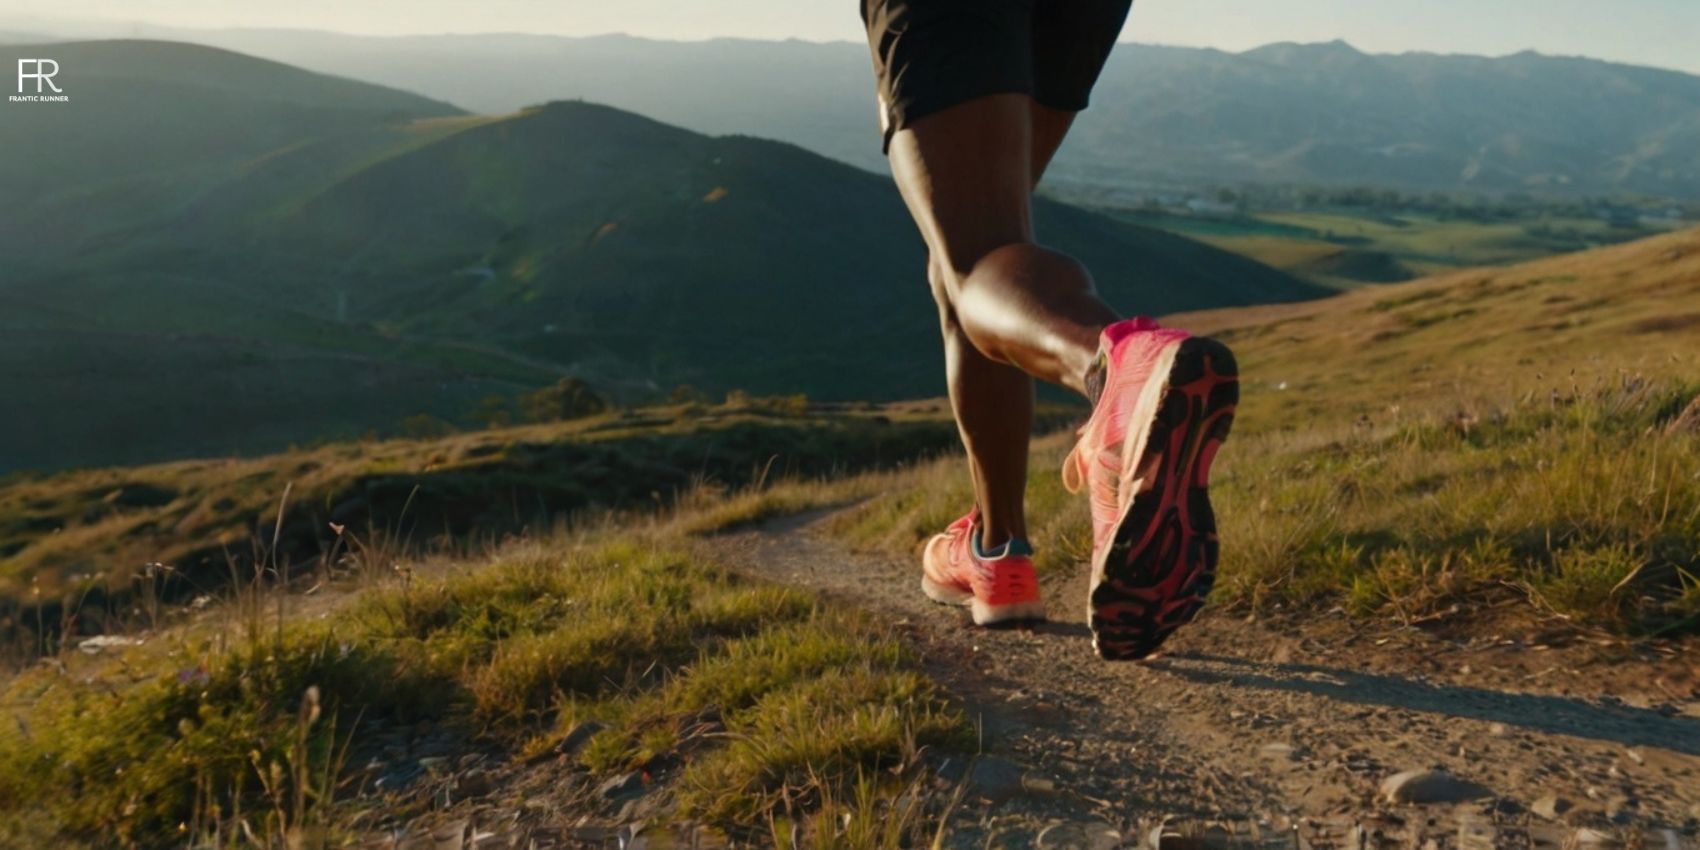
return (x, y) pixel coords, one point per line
(1648, 32)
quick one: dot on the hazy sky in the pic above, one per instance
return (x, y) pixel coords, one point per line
(1650, 32)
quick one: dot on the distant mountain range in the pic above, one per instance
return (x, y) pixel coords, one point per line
(1162, 116)
(205, 252)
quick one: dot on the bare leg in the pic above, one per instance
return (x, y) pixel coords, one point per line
(1008, 308)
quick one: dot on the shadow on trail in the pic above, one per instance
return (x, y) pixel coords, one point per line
(1551, 714)
(1063, 630)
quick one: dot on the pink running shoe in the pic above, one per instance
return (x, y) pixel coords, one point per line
(996, 589)
(1144, 456)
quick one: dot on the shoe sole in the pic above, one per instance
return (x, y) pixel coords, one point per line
(1162, 560)
(984, 614)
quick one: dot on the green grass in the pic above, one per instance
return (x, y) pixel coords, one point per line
(188, 736)
(1582, 506)
(1489, 435)
(74, 543)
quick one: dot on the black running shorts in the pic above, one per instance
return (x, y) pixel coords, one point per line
(930, 55)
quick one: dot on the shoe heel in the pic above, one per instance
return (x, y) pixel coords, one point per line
(986, 614)
(944, 594)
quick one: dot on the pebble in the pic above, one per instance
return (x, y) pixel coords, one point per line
(1429, 786)
(1551, 806)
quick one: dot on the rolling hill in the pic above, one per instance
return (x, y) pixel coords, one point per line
(150, 124)
(1478, 341)
(1162, 116)
(385, 255)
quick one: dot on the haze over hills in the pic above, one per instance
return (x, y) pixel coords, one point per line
(351, 255)
(1163, 116)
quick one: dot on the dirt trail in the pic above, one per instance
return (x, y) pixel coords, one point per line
(1265, 731)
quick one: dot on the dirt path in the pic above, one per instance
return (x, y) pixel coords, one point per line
(1264, 731)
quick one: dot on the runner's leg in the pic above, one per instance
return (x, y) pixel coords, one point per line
(1008, 307)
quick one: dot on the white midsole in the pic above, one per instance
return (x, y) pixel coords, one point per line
(983, 613)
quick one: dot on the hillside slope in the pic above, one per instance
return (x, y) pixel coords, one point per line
(645, 255)
(349, 255)
(150, 124)
(183, 365)
(1478, 340)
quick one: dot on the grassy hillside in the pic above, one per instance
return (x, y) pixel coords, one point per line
(76, 547)
(1479, 338)
(351, 256)
(634, 252)
(522, 598)
(604, 664)
(1500, 448)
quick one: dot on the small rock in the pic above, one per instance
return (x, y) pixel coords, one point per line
(1499, 730)
(1551, 807)
(1419, 787)
(1279, 751)
(626, 784)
